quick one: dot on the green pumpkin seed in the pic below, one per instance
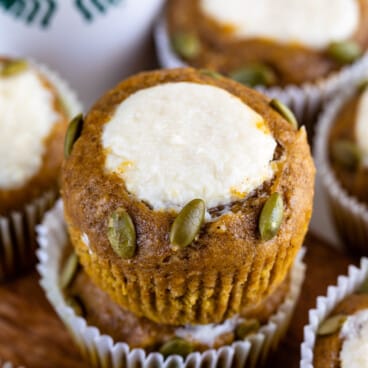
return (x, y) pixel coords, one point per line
(254, 75)
(346, 154)
(344, 52)
(331, 325)
(364, 287)
(186, 44)
(121, 233)
(362, 86)
(69, 270)
(176, 346)
(76, 304)
(246, 328)
(14, 67)
(72, 134)
(284, 111)
(210, 73)
(187, 224)
(271, 217)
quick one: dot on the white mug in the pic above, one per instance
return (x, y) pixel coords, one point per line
(92, 43)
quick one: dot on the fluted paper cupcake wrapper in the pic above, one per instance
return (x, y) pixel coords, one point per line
(17, 230)
(305, 100)
(349, 215)
(346, 285)
(101, 351)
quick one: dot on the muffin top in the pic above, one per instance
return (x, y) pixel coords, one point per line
(342, 339)
(269, 42)
(348, 147)
(169, 179)
(31, 118)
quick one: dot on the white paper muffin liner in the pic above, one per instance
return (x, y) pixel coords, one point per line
(305, 100)
(101, 351)
(17, 230)
(346, 285)
(9, 365)
(349, 215)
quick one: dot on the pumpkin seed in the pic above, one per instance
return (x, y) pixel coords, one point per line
(331, 325)
(254, 75)
(72, 134)
(246, 328)
(186, 44)
(361, 87)
(284, 111)
(364, 287)
(176, 346)
(14, 67)
(76, 305)
(187, 224)
(344, 52)
(211, 73)
(121, 233)
(271, 216)
(69, 270)
(347, 154)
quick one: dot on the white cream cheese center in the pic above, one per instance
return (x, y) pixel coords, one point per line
(313, 23)
(27, 117)
(354, 353)
(361, 126)
(175, 142)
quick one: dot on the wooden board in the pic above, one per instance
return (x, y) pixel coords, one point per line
(32, 335)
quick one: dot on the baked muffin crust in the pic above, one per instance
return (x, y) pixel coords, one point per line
(228, 266)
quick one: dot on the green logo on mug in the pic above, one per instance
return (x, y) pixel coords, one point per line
(42, 12)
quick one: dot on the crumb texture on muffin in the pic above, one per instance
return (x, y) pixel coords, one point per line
(178, 141)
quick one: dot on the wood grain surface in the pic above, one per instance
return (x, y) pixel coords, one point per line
(31, 335)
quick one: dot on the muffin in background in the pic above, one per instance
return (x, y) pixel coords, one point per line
(286, 49)
(342, 161)
(336, 335)
(173, 208)
(35, 108)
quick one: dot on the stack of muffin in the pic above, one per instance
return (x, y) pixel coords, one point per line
(187, 197)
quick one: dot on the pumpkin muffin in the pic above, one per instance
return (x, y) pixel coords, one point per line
(97, 308)
(187, 195)
(348, 145)
(108, 335)
(342, 156)
(33, 121)
(342, 339)
(336, 335)
(268, 43)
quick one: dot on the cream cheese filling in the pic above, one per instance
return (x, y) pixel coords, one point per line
(354, 332)
(175, 142)
(312, 23)
(27, 117)
(208, 334)
(361, 126)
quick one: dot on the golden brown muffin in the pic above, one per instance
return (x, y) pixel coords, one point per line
(215, 47)
(228, 266)
(328, 346)
(346, 157)
(139, 332)
(13, 198)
